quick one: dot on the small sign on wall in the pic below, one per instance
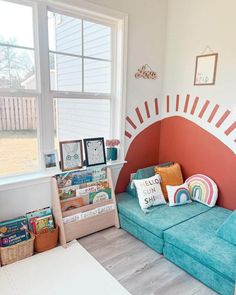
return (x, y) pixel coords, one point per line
(145, 72)
(205, 69)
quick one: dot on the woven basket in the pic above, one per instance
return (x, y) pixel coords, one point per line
(17, 252)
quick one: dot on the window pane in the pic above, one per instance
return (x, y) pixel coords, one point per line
(65, 72)
(16, 24)
(17, 69)
(97, 40)
(65, 33)
(97, 76)
(18, 135)
(82, 118)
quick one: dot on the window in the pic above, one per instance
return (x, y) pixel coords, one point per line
(18, 114)
(59, 74)
(80, 61)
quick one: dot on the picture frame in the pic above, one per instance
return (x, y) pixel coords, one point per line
(94, 149)
(71, 153)
(50, 160)
(205, 69)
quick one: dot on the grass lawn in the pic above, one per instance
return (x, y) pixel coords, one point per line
(18, 152)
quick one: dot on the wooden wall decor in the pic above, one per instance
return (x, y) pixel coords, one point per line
(146, 72)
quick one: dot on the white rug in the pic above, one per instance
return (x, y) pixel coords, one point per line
(59, 272)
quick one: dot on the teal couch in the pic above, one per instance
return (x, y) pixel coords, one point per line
(186, 235)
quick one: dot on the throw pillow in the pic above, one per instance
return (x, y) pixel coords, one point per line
(171, 175)
(149, 192)
(203, 189)
(143, 173)
(178, 195)
(227, 231)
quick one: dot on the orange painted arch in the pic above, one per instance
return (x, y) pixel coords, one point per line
(180, 140)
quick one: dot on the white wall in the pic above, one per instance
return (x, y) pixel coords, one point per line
(147, 25)
(192, 26)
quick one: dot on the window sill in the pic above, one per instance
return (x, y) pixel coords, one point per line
(19, 181)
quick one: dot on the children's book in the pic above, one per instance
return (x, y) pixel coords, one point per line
(13, 225)
(73, 178)
(31, 216)
(13, 238)
(42, 224)
(98, 172)
(68, 192)
(86, 190)
(72, 204)
(100, 196)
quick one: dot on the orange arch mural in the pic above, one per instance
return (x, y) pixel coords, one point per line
(198, 151)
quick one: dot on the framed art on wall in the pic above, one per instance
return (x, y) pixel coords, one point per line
(71, 155)
(205, 69)
(95, 151)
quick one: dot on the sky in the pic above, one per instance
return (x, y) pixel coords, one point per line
(15, 19)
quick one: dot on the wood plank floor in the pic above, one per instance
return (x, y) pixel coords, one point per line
(138, 268)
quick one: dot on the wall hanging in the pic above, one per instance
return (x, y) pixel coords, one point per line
(146, 72)
(205, 69)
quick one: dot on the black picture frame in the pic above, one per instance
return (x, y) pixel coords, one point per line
(94, 158)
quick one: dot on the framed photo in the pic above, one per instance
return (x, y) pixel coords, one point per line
(71, 155)
(51, 160)
(95, 151)
(205, 69)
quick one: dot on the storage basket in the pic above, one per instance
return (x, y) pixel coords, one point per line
(17, 252)
(46, 241)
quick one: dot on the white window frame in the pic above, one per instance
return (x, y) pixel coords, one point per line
(118, 21)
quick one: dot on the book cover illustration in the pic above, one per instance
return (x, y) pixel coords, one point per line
(98, 172)
(72, 204)
(33, 215)
(13, 225)
(86, 190)
(100, 196)
(68, 192)
(42, 224)
(13, 238)
(73, 178)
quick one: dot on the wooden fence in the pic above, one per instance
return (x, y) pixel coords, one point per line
(17, 113)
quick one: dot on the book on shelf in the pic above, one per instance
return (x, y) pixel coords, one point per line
(68, 192)
(91, 174)
(100, 196)
(74, 203)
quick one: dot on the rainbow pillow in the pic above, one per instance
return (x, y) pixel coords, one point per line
(178, 195)
(203, 189)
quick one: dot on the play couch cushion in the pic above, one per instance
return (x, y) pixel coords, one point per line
(197, 238)
(227, 231)
(159, 218)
